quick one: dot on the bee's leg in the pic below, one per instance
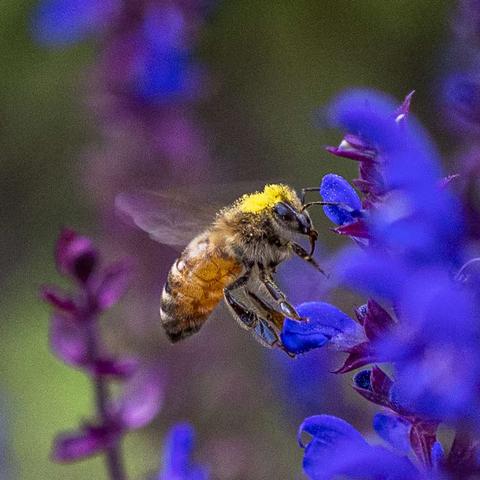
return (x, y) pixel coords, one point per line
(263, 332)
(241, 312)
(303, 254)
(274, 290)
(241, 281)
(272, 317)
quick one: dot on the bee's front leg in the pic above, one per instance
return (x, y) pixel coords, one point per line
(280, 298)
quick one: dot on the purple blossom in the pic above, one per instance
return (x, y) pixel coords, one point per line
(75, 339)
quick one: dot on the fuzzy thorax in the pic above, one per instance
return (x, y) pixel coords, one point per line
(260, 201)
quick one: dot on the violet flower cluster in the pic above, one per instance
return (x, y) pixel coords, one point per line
(142, 90)
(76, 340)
(416, 263)
(461, 106)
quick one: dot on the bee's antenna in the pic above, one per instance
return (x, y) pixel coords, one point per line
(308, 189)
(344, 206)
(306, 206)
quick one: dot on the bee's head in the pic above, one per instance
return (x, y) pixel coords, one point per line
(294, 220)
(281, 203)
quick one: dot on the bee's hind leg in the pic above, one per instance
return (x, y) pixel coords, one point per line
(272, 316)
(263, 332)
(280, 298)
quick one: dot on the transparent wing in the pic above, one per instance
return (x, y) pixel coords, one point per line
(168, 219)
(175, 218)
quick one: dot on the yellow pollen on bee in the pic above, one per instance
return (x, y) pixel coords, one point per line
(259, 201)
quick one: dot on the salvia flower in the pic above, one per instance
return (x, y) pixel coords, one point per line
(75, 339)
(177, 455)
(338, 449)
(325, 324)
(421, 316)
(62, 22)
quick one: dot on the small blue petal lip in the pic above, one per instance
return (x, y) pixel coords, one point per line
(325, 322)
(335, 188)
(329, 429)
(300, 337)
(338, 449)
(394, 430)
(177, 457)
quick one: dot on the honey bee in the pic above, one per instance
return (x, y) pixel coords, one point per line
(233, 258)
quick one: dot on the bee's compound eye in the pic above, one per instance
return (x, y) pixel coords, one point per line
(284, 211)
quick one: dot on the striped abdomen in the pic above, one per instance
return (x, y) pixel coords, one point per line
(194, 287)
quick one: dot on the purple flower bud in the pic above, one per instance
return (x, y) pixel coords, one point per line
(359, 356)
(162, 62)
(141, 399)
(68, 340)
(75, 255)
(403, 110)
(69, 447)
(353, 148)
(335, 188)
(377, 321)
(113, 284)
(423, 437)
(121, 369)
(356, 229)
(58, 299)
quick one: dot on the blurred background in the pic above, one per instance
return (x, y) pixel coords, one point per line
(71, 137)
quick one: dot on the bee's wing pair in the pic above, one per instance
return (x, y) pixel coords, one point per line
(169, 219)
(175, 218)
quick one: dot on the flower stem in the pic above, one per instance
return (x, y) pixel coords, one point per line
(114, 461)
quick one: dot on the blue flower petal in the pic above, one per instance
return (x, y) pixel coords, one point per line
(339, 449)
(165, 63)
(438, 455)
(394, 430)
(430, 218)
(374, 272)
(412, 157)
(62, 22)
(326, 323)
(335, 188)
(177, 462)
(462, 95)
